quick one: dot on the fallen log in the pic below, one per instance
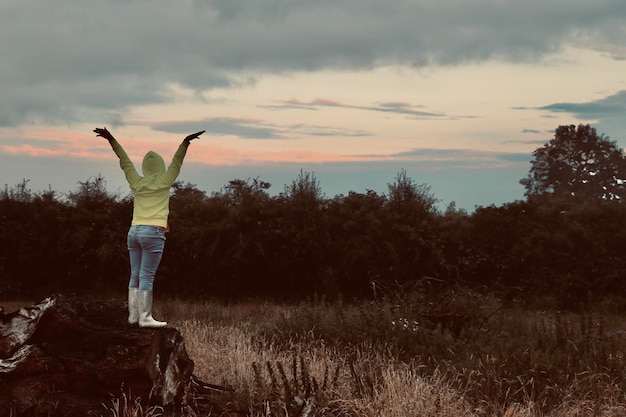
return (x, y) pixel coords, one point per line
(68, 357)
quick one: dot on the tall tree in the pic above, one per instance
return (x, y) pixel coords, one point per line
(577, 162)
(410, 211)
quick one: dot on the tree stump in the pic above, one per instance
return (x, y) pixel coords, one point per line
(67, 357)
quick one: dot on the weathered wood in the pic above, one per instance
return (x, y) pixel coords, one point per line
(68, 357)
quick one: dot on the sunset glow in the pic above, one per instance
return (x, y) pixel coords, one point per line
(459, 107)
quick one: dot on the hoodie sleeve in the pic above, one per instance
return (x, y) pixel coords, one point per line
(132, 176)
(177, 162)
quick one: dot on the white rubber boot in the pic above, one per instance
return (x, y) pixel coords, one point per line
(133, 309)
(145, 311)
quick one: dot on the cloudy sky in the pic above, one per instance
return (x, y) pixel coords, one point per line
(456, 92)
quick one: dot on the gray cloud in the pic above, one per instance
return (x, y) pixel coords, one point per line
(221, 126)
(314, 130)
(391, 107)
(72, 60)
(607, 113)
(253, 129)
(434, 159)
(607, 107)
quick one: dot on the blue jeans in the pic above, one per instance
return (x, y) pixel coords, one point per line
(145, 248)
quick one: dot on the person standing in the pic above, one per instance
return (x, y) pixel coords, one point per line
(146, 236)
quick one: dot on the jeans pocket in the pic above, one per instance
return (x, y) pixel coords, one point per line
(159, 232)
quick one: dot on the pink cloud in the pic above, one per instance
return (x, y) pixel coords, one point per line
(56, 143)
(85, 146)
(328, 102)
(226, 156)
(31, 150)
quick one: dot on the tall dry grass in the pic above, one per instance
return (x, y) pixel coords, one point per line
(510, 366)
(262, 374)
(318, 358)
(365, 382)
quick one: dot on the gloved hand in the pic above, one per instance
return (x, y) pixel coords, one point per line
(194, 136)
(103, 133)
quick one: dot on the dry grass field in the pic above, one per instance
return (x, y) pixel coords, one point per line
(372, 359)
(319, 358)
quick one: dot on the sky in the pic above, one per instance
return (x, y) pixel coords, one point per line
(457, 93)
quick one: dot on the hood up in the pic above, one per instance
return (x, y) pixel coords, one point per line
(153, 164)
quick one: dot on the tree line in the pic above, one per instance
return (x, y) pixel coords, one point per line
(562, 244)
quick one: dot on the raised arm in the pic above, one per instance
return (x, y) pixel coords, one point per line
(177, 161)
(132, 176)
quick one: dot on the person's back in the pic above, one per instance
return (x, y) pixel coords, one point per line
(146, 236)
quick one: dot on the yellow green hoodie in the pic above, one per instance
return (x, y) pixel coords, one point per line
(152, 190)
